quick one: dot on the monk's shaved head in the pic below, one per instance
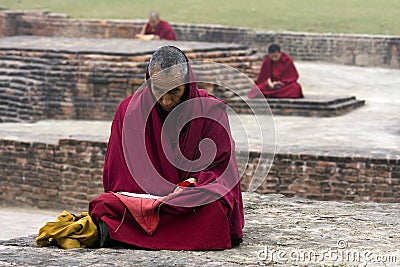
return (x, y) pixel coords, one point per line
(169, 60)
(154, 19)
(169, 73)
(154, 14)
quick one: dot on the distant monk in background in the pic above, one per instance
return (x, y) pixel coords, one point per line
(156, 29)
(278, 77)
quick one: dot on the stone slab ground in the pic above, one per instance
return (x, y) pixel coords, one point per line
(309, 106)
(279, 232)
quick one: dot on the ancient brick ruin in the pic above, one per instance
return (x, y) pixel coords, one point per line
(54, 74)
(78, 78)
(352, 49)
(69, 174)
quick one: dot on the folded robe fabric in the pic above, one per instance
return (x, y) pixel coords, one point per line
(145, 211)
(69, 231)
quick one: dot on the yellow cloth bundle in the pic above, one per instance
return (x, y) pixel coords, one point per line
(69, 231)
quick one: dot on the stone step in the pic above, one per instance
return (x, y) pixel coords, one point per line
(315, 106)
(316, 101)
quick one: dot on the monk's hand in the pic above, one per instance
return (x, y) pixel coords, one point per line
(276, 84)
(270, 83)
(191, 180)
(180, 188)
(156, 37)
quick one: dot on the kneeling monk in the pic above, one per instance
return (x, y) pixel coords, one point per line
(278, 77)
(170, 144)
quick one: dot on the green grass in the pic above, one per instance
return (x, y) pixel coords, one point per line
(336, 16)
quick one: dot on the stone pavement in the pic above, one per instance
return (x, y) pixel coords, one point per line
(279, 232)
(23, 221)
(374, 126)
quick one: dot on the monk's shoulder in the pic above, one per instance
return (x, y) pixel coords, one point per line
(266, 59)
(205, 93)
(285, 57)
(165, 23)
(167, 27)
(216, 107)
(120, 113)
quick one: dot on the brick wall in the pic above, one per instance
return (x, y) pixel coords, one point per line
(354, 49)
(68, 174)
(337, 175)
(43, 84)
(51, 176)
(349, 49)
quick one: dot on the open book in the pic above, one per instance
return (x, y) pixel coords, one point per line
(139, 195)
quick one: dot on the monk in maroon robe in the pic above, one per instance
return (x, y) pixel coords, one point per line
(277, 78)
(158, 145)
(157, 29)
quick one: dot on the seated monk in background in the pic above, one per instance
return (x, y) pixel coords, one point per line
(201, 204)
(156, 29)
(278, 77)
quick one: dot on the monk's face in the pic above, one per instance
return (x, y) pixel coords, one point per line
(274, 56)
(168, 89)
(153, 21)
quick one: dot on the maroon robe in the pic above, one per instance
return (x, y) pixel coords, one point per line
(182, 226)
(163, 29)
(284, 71)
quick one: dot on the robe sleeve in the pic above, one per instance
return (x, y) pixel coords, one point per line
(167, 32)
(114, 157)
(289, 74)
(219, 132)
(116, 175)
(225, 169)
(147, 29)
(265, 72)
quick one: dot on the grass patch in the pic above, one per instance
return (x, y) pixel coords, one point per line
(336, 16)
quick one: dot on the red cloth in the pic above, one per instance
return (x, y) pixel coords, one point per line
(284, 71)
(207, 226)
(144, 211)
(204, 229)
(163, 29)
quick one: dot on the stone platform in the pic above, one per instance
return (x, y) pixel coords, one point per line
(310, 105)
(278, 232)
(112, 46)
(83, 78)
